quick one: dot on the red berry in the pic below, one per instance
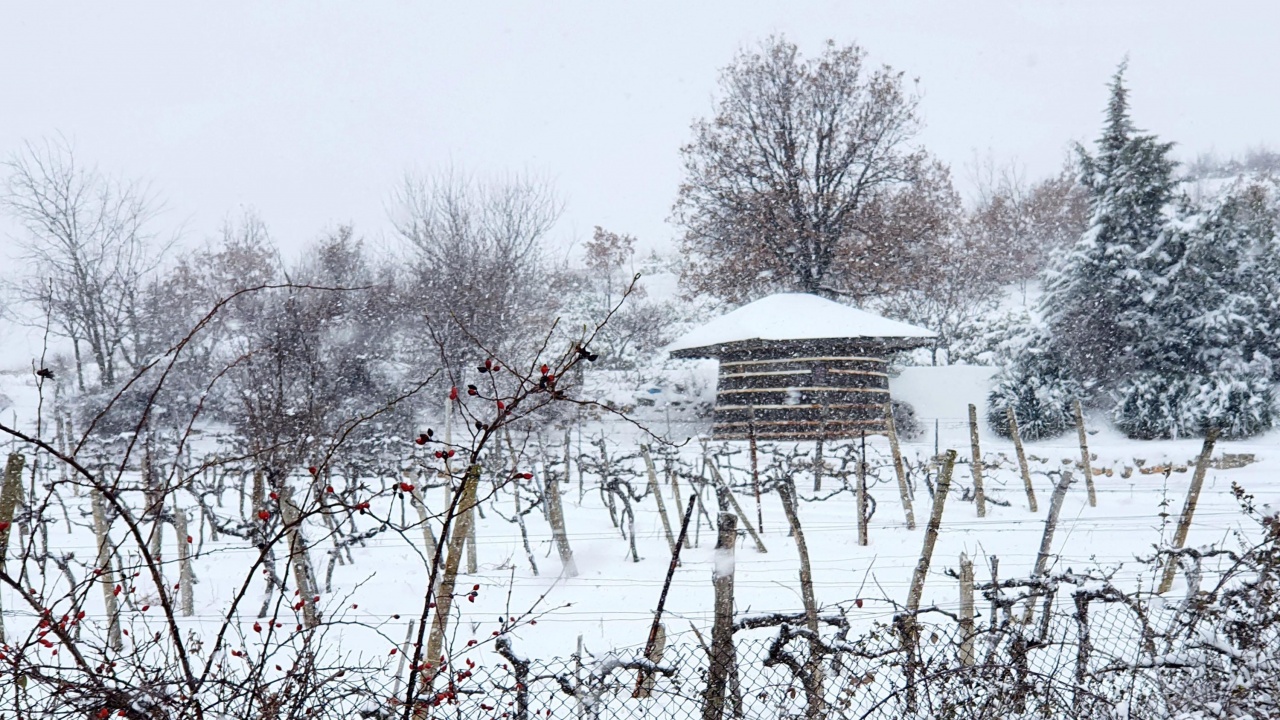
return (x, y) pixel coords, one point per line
(263, 515)
(313, 469)
(453, 393)
(257, 627)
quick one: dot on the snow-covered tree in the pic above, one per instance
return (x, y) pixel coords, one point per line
(1205, 359)
(1094, 305)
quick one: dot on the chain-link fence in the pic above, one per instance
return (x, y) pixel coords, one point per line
(1065, 648)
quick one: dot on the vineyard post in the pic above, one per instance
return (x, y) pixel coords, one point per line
(898, 468)
(1189, 509)
(979, 494)
(722, 630)
(1085, 465)
(1022, 459)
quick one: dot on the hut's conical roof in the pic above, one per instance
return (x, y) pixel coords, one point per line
(795, 316)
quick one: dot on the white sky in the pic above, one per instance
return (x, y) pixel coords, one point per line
(312, 112)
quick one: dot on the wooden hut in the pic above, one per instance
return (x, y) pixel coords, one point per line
(800, 367)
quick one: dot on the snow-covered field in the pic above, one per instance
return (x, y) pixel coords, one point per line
(610, 604)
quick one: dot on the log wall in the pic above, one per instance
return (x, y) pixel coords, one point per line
(801, 391)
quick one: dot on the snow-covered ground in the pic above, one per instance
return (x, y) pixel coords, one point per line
(610, 603)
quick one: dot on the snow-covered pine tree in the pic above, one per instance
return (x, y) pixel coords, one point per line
(1093, 304)
(1204, 359)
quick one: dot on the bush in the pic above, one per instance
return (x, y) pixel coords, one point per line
(1041, 393)
(1237, 399)
(1149, 405)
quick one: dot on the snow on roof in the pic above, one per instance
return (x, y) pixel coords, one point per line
(795, 316)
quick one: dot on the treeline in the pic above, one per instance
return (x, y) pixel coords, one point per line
(285, 354)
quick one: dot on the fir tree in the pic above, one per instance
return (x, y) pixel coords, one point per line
(1094, 294)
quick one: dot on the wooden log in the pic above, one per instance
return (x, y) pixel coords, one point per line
(303, 572)
(862, 495)
(899, 468)
(1046, 540)
(657, 495)
(1085, 466)
(107, 577)
(1022, 459)
(813, 689)
(979, 494)
(931, 532)
(1189, 509)
(186, 574)
(463, 514)
(755, 537)
(722, 655)
(966, 611)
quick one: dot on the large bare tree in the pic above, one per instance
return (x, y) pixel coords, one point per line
(88, 241)
(791, 184)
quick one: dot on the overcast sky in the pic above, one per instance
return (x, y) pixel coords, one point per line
(312, 112)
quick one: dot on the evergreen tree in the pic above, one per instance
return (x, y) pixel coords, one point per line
(1204, 360)
(1095, 293)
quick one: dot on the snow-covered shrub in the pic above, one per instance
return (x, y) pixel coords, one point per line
(1149, 405)
(1237, 399)
(1040, 391)
(986, 339)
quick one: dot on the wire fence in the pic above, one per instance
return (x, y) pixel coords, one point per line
(1086, 652)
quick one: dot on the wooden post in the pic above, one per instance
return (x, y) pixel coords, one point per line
(966, 611)
(656, 627)
(862, 494)
(114, 639)
(813, 689)
(755, 464)
(303, 574)
(654, 655)
(931, 532)
(898, 467)
(186, 576)
(715, 475)
(462, 520)
(555, 515)
(1189, 509)
(979, 495)
(1022, 459)
(722, 659)
(1051, 523)
(1046, 541)
(657, 495)
(1085, 466)
(10, 496)
(675, 493)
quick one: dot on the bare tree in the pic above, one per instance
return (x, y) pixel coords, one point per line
(88, 240)
(789, 185)
(479, 265)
